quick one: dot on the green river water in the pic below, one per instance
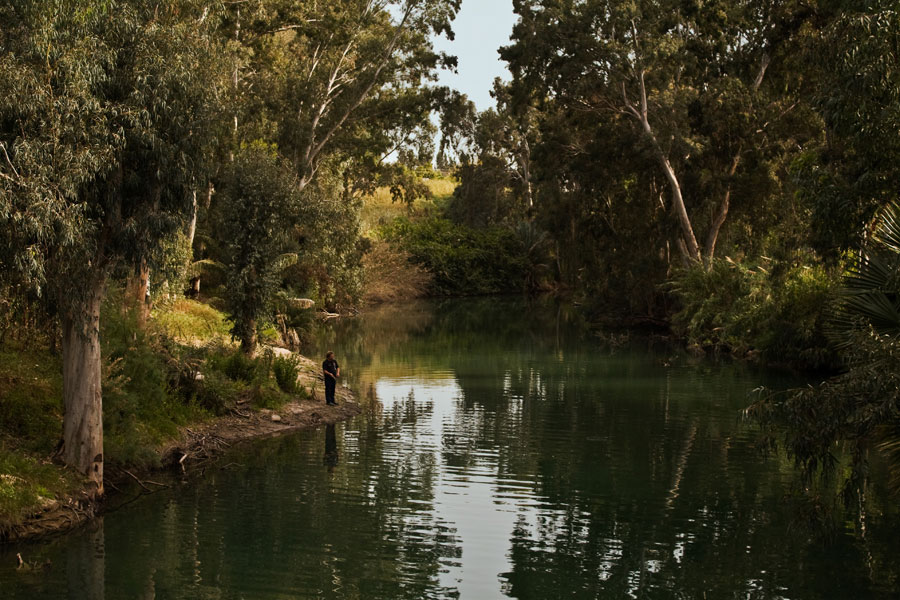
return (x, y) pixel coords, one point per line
(503, 452)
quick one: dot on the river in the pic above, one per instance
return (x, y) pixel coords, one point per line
(503, 451)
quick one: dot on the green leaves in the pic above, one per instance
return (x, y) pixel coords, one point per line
(871, 297)
(260, 205)
(101, 128)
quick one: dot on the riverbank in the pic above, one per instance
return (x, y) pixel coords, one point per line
(176, 393)
(195, 445)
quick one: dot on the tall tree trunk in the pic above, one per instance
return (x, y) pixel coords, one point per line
(192, 225)
(690, 248)
(722, 213)
(83, 420)
(687, 242)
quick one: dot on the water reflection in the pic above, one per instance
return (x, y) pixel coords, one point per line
(331, 449)
(498, 456)
(86, 564)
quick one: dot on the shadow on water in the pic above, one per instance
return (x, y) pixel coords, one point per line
(505, 451)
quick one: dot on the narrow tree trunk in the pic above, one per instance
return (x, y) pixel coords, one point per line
(690, 248)
(721, 214)
(249, 338)
(192, 226)
(83, 420)
(137, 292)
(687, 242)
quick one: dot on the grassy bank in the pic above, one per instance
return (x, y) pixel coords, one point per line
(180, 371)
(30, 426)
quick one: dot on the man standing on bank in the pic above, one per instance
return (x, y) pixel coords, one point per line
(331, 370)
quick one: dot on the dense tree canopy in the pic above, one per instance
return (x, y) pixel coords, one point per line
(102, 134)
(116, 116)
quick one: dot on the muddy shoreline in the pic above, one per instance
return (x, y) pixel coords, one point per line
(197, 446)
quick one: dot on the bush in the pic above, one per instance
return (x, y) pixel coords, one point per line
(463, 260)
(390, 275)
(142, 406)
(286, 370)
(240, 367)
(267, 396)
(740, 309)
(217, 393)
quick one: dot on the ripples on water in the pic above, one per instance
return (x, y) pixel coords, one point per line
(502, 458)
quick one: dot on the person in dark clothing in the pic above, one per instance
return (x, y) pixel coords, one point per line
(331, 370)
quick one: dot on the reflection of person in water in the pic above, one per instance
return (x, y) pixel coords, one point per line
(331, 370)
(331, 450)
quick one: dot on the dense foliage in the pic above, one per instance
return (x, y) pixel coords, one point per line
(713, 165)
(132, 133)
(462, 260)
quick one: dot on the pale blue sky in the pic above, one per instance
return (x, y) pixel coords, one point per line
(481, 27)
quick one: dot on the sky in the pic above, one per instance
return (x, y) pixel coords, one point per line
(481, 27)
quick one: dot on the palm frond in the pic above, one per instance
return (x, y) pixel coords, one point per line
(285, 260)
(887, 233)
(871, 294)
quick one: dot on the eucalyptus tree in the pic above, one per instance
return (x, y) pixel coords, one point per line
(100, 121)
(686, 79)
(331, 83)
(493, 149)
(320, 78)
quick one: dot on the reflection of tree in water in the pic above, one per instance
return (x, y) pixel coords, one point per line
(647, 487)
(331, 457)
(274, 523)
(637, 483)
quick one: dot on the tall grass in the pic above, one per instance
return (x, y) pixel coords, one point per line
(191, 322)
(379, 208)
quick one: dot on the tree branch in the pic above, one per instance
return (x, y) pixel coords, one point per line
(291, 27)
(9, 162)
(314, 149)
(628, 105)
(763, 66)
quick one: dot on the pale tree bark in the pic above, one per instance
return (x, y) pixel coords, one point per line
(338, 81)
(687, 242)
(192, 224)
(83, 420)
(194, 290)
(721, 214)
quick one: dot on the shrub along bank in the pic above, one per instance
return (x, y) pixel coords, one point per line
(463, 260)
(775, 313)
